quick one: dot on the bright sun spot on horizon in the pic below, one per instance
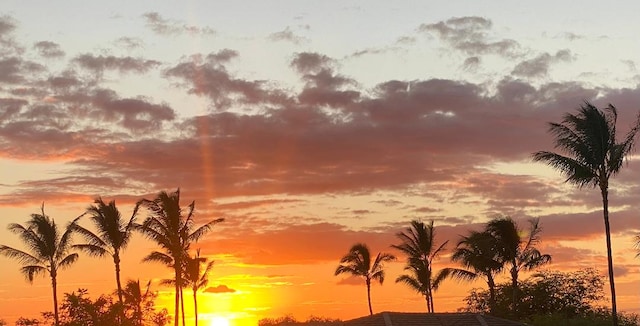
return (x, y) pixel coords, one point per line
(219, 321)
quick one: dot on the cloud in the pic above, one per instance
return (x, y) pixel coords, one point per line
(166, 27)
(99, 64)
(539, 66)
(219, 289)
(210, 78)
(129, 43)
(14, 70)
(287, 35)
(470, 35)
(49, 49)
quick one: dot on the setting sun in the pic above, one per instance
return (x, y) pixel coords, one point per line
(219, 321)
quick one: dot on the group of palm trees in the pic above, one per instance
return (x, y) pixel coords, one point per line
(167, 224)
(502, 245)
(590, 156)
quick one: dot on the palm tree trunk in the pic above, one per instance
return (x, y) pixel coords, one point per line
(54, 285)
(430, 294)
(605, 208)
(369, 296)
(116, 261)
(514, 285)
(184, 323)
(195, 305)
(492, 292)
(177, 299)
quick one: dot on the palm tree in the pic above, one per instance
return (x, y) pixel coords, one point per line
(593, 157)
(515, 250)
(193, 277)
(196, 277)
(637, 245)
(358, 263)
(112, 236)
(135, 298)
(477, 253)
(47, 251)
(418, 243)
(168, 226)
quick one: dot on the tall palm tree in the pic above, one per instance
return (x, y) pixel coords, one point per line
(357, 262)
(135, 298)
(174, 231)
(516, 250)
(196, 277)
(112, 236)
(637, 245)
(418, 243)
(477, 253)
(47, 252)
(592, 157)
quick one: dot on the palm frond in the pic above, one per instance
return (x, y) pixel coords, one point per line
(68, 260)
(19, 255)
(92, 250)
(31, 271)
(159, 257)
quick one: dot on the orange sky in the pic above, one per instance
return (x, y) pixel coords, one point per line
(309, 128)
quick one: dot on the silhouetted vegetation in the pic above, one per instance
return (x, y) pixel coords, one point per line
(174, 232)
(418, 244)
(112, 236)
(593, 157)
(358, 263)
(568, 298)
(48, 251)
(77, 309)
(290, 321)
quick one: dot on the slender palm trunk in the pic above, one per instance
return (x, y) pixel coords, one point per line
(184, 323)
(177, 299)
(605, 208)
(116, 261)
(54, 285)
(492, 292)
(431, 299)
(195, 305)
(369, 296)
(514, 285)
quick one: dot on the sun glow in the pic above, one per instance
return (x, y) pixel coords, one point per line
(219, 321)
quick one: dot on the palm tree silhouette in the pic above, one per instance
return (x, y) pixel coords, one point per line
(418, 243)
(112, 236)
(168, 226)
(135, 298)
(358, 263)
(593, 157)
(47, 251)
(515, 250)
(196, 277)
(477, 253)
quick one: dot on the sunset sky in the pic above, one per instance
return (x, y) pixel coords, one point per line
(310, 126)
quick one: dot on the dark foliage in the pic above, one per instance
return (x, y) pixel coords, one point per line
(551, 298)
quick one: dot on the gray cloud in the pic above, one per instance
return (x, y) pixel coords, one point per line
(470, 35)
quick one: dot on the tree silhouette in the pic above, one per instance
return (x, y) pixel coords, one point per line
(357, 262)
(593, 157)
(173, 230)
(418, 243)
(197, 278)
(47, 252)
(112, 236)
(515, 250)
(477, 253)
